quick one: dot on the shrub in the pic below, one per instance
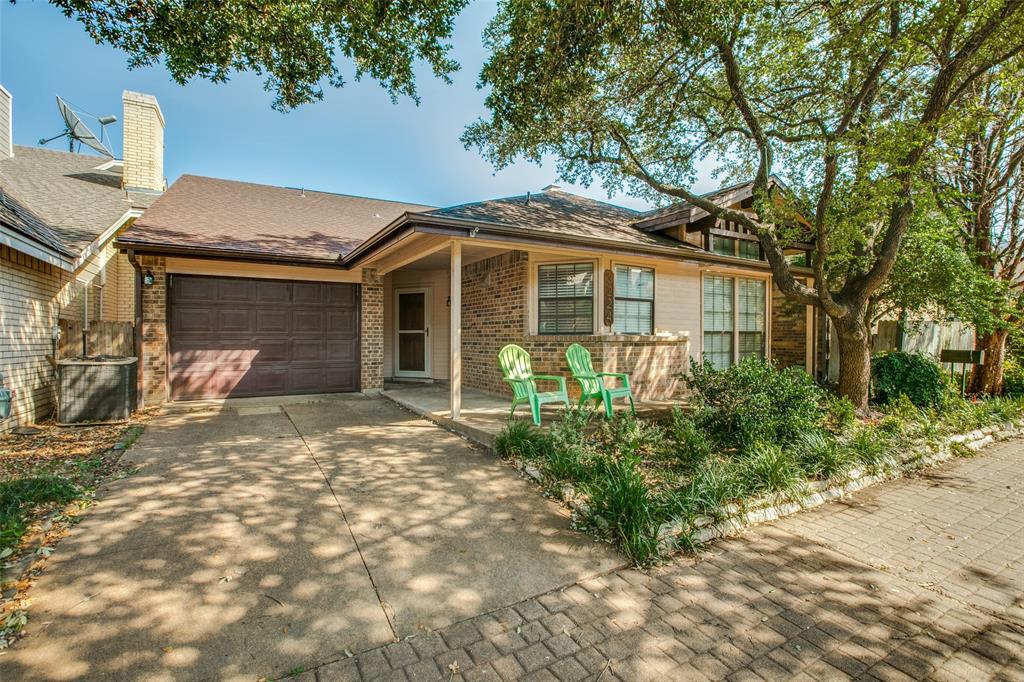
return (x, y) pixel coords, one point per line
(1013, 377)
(897, 373)
(755, 402)
(840, 413)
(521, 439)
(618, 493)
(821, 455)
(767, 469)
(627, 436)
(691, 442)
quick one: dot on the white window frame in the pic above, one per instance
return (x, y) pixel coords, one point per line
(654, 295)
(737, 275)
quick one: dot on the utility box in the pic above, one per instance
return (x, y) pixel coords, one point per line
(96, 389)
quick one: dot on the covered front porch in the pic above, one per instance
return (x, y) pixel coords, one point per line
(483, 415)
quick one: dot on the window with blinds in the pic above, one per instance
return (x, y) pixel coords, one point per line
(718, 320)
(751, 317)
(566, 298)
(735, 311)
(634, 300)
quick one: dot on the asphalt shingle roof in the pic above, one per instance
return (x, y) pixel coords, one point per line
(562, 214)
(200, 212)
(20, 219)
(67, 192)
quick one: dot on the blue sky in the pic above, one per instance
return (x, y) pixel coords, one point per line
(355, 141)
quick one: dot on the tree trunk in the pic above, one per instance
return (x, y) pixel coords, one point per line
(988, 377)
(854, 362)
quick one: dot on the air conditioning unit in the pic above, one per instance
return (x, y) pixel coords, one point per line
(96, 389)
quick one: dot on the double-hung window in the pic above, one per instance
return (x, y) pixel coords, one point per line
(734, 319)
(565, 298)
(634, 300)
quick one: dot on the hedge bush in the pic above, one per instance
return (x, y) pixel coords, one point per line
(754, 402)
(897, 373)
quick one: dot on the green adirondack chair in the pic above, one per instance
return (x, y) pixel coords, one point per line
(592, 384)
(515, 365)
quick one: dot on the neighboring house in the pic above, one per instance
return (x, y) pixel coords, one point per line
(258, 290)
(59, 215)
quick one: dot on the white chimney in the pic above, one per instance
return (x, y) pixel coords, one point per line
(6, 124)
(143, 124)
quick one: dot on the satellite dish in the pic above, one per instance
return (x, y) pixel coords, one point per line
(76, 130)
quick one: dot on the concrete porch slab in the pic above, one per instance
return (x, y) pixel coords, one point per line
(483, 415)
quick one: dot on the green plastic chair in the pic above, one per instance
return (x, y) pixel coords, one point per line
(515, 365)
(592, 384)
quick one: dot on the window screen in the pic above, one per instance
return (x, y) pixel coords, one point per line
(718, 321)
(566, 298)
(634, 300)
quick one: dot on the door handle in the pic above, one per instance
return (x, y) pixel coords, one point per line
(427, 331)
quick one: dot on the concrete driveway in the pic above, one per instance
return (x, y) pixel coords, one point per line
(268, 536)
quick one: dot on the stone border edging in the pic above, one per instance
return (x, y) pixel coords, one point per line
(736, 517)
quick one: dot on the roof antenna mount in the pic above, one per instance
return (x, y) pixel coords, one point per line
(76, 130)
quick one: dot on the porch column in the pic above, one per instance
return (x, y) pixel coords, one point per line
(455, 343)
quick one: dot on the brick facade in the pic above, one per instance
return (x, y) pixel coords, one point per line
(154, 331)
(789, 331)
(494, 313)
(371, 323)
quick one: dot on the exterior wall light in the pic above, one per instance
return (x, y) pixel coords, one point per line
(148, 279)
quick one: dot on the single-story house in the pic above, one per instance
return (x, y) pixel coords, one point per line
(60, 212)
(258, 290)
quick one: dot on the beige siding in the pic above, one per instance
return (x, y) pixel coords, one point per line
(29, 294)
(436, 282)
(33, 295)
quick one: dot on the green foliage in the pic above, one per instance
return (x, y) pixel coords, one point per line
(691, 443)
(897, 373)
(754, 402)
(18, 497)
(840, 413)
(1013, 377)
(822, 456)
(296, 44)
(522, 439)
(620, 496)
(767, 469)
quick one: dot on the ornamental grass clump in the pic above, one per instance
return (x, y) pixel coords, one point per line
(623, 505)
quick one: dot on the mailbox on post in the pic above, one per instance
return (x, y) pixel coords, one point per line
(962, 358)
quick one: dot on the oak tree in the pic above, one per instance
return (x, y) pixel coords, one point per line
(845, 99)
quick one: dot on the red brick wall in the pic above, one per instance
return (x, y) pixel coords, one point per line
(789, 331)
(154, 331)
(494, 314)
(371, 311)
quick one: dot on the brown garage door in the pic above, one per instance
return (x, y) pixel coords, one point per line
(232, 337)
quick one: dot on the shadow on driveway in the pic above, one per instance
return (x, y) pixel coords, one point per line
(258, 539)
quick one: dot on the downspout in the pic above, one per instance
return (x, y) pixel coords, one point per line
(140, 401)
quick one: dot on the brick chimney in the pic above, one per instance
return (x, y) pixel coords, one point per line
(143, 124)
(6, 124)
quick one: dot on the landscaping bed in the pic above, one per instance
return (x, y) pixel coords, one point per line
(46, 477)
(758, 443)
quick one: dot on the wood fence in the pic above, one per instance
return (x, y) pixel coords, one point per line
(102, 338)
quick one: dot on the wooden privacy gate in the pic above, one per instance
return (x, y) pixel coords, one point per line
(102, 338)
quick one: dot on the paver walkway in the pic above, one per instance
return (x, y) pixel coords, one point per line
(916, 579)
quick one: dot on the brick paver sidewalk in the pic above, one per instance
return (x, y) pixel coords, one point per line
(916, 579)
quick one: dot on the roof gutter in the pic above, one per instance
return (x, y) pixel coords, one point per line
(141, 248)
(29, 246)
(471, 228)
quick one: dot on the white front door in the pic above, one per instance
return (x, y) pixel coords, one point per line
(412, 333)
